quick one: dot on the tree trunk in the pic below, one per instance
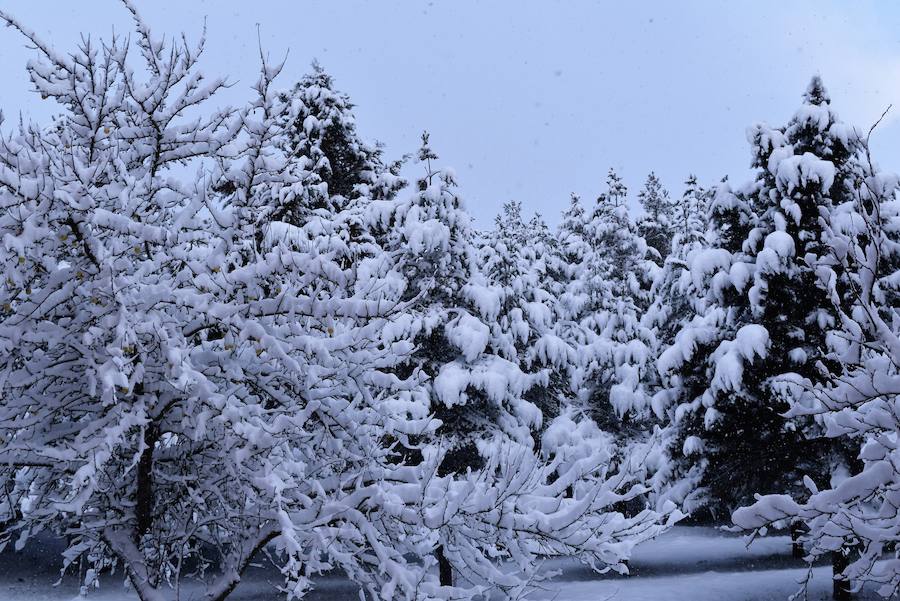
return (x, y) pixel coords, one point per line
(144, 494)
(445, 570)
(839, 562)
(797, 551)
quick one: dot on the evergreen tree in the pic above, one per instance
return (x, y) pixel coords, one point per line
(567, 262)
(334, 165)
(620, 277)
(675, 296)
(602, 261)
(514, 259)
(340, 183)
(673, 292)
(765, 314)
(617, 191)
(854, 519)
(451, 324)
(656, 225)
(689, 215)
(619, 252)
(572, 252)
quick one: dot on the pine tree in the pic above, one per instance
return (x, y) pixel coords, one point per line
(689, 215)
(570, 255)
(674, 294)
(676, 298)
(632, 342)
(335, 166)
(656, 225)
(608, 275)
(514, 260)
(340, 184)
(452, 315)
(567, 262)
(853, 520)
(620, 254)
(617, 191)
(765, 314)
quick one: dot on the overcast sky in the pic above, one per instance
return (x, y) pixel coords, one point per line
(533, 100)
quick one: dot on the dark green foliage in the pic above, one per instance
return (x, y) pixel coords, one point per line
(734, 435)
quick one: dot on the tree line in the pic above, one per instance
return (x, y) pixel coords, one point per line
(242, 331)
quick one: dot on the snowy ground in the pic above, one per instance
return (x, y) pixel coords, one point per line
(688, 563)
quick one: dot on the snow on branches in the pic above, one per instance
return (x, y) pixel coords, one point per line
(854, 513)
(222, 336)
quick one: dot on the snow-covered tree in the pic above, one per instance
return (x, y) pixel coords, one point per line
(336, 177)
(567, 262)
(572, 252)
(172, 402)
(603, 275)
(514, 259)
(656, 225)
(675, 300)
(853, 517)
(192, 373)
(616, 190)
(335, 165)
(614, 284)
(673, 294)
(765, 313)
(473, 382)
(621, 255)
(689, 214)
(475, 389)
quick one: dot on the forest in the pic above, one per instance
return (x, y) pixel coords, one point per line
(244, 335)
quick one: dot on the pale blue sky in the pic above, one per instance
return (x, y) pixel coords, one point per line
(533, 100)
